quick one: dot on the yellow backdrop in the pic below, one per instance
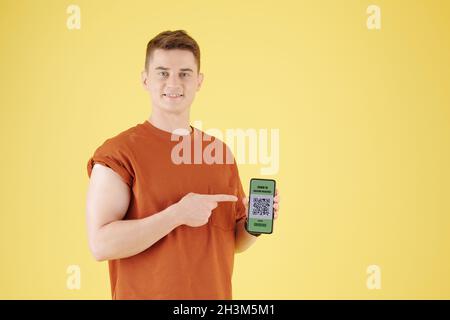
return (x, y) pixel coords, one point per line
(363, 114)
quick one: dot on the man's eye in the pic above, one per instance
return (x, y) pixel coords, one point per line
(165, 74)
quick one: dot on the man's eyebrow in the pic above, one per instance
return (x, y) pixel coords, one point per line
(182, 69)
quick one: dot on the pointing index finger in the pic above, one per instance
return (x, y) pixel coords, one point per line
(220, 197)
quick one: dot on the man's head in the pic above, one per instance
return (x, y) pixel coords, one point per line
(172, 71)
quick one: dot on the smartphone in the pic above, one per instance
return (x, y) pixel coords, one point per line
(260, 206)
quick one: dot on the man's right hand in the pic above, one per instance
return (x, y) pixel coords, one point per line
(195, 209)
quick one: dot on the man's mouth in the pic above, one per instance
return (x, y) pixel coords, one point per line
(173, 96)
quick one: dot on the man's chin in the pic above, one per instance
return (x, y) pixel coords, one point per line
(174, 108)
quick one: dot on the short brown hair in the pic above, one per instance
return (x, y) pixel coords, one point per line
(178, 39)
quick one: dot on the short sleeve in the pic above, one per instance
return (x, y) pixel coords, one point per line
(115, 156)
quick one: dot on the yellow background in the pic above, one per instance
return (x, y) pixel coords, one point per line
(364, 119)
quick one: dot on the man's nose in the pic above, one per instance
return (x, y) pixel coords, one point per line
(173, 81)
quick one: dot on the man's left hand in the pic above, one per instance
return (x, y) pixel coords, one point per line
(276, 203)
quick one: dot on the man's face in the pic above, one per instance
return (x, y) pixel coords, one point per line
(172, 79)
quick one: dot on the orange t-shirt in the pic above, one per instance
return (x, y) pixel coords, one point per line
(189, 262)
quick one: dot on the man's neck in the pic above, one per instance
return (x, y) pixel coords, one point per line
(170, 121)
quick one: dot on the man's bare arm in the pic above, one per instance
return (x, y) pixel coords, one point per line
(110, 237)
(244, 240)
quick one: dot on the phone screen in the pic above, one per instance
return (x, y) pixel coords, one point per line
(260, 206)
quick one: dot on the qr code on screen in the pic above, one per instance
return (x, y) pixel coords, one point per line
(261, 207)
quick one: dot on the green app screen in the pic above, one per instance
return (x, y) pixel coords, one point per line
(260, 215)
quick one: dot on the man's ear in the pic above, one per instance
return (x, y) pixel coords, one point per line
(144, 79)
(200, 80)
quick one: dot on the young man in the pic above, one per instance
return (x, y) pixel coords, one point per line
(168, 230)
